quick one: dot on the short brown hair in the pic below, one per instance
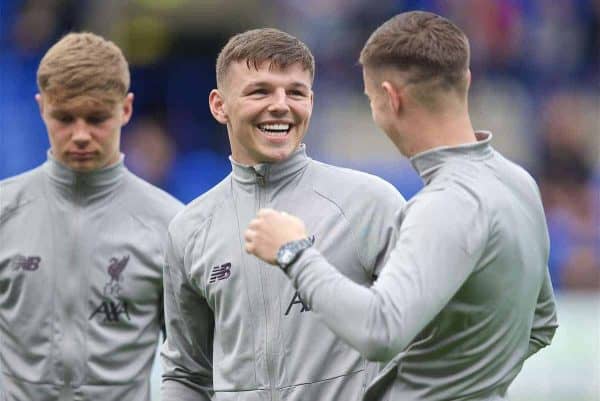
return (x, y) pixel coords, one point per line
(257, 46)
(84, 64)
(425, 45)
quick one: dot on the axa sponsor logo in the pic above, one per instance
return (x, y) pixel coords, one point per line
(25, 263)
(218, 273)
(113, 307)
(112, 311)
(298, 303)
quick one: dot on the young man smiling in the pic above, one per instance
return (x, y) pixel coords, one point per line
(465, 297)
(82, 240)
(238, 331)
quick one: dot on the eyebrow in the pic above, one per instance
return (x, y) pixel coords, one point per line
(94, 113)
(58, 112)
(295, 84)
(300, 84)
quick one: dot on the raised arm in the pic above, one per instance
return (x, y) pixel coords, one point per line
(439, 243)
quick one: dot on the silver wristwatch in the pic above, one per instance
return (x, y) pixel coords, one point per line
(289, 252)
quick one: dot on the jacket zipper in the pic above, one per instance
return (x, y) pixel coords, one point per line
(69, 346)
(261, 192)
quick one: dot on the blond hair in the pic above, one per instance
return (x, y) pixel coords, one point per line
(83, 65)
(430, 49)
(257, 46)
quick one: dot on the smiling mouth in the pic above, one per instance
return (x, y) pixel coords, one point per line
(275, 130)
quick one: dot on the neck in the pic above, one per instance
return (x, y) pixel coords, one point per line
(429, 131)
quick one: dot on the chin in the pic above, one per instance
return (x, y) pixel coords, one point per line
(275, 155)
(282, 155)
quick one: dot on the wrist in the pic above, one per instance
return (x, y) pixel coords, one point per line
(289, 252)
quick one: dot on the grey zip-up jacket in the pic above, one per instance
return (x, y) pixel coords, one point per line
(465, 297)
(235, 326)
(81, 260)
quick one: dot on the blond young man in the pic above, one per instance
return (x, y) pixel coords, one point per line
(82, 242)
(238, 331)
(465, 297)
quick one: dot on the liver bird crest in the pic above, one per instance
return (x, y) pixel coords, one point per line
(116, 267)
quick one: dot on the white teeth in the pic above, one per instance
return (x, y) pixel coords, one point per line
(275, 129)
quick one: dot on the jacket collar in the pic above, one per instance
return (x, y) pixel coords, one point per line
(270, 173)
(428, 162)
(97, 180)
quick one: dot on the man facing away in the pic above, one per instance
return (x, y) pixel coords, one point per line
(238, 331)
(82, 242)
(465, 296)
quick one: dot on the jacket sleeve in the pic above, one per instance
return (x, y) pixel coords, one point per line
(186, 355)
(376, 225)
(545, 321)
(439, 243)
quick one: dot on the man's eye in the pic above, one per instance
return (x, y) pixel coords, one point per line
(64, 119)
(94, 120)
(297, 93)
(258, 92)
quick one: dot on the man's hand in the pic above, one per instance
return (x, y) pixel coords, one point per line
(269, 230)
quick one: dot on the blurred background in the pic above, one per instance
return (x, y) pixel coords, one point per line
(536, 86)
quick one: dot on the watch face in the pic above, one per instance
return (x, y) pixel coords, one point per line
(286, 256)
(290, 251)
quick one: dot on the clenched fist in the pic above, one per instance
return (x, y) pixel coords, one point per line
(269, 230)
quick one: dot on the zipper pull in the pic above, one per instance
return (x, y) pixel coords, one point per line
(260, 179)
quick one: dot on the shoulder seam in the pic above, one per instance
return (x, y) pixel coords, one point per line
(27, 176)
(5, 213)
(354, 238)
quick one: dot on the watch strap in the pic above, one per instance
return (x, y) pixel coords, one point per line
(289, 252)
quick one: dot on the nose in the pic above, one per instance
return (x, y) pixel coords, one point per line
(81, 133)
(279, 104)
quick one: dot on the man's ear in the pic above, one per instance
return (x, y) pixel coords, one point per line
(312, 101)
(395, 96)
(216, 103)
(40, 102)
(468, 78)
(127, 109)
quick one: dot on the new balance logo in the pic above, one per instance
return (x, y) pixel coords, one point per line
(220, 273)
(24, 263)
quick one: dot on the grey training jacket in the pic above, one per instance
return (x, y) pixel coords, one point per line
(465, 297)
(81, 260)
(235, 326)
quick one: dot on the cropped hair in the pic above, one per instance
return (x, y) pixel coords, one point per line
(258, 46)
(428, 47)
(84, 65)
